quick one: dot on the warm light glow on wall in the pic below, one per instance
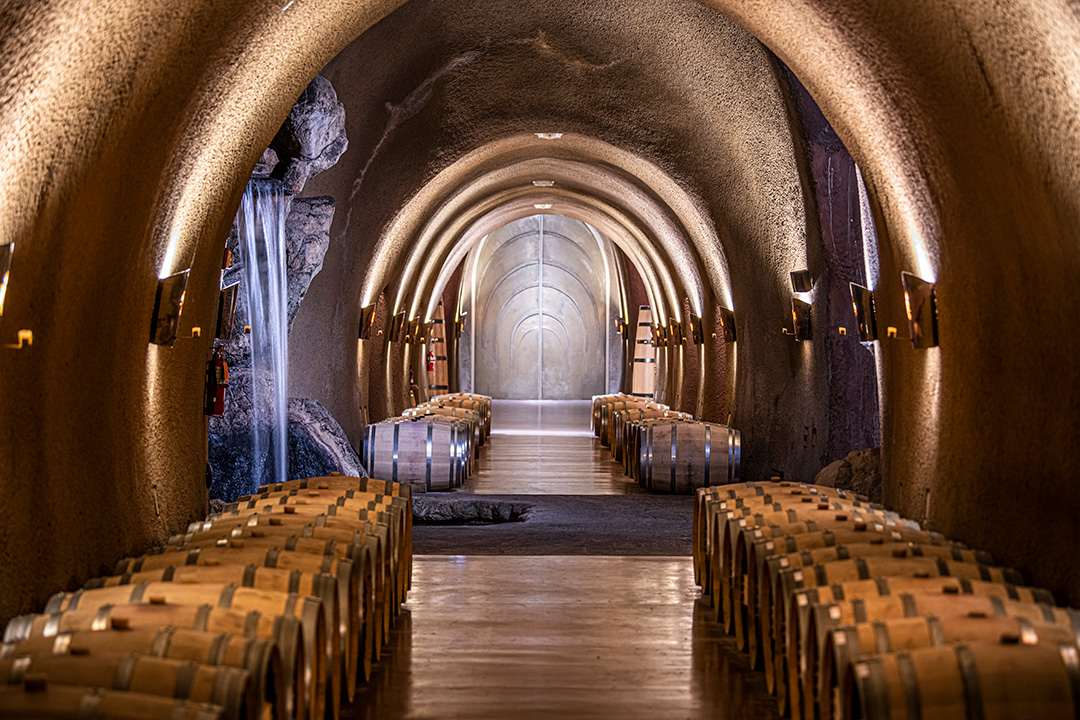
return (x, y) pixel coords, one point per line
(5, 272)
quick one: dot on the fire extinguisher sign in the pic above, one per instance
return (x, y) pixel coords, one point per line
(431, 360)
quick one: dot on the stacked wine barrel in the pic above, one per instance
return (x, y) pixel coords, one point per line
(854, 612)
(432, 446)
(274, 608)
(663, 449)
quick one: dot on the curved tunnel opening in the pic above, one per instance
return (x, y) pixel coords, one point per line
(676, 140)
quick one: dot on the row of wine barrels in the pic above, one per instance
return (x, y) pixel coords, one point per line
(605, 405)
(468, 401)
(617, 439)
(472, 417)
(855, 612)
(431, 447)
(275, 608)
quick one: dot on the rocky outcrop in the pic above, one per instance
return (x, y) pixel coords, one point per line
(312, 138)
(307, 237)
(317, 444)
(859, 472)
(442, 509)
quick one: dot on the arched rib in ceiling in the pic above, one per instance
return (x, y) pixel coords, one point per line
(681, 237)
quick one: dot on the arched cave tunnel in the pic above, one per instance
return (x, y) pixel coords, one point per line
(542, 170)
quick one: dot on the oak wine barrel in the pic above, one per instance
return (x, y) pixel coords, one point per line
(229, 688)
(259, 657)
(421, 451)
(842, 645)
(38, 699)
(974, 680)
(287, 633)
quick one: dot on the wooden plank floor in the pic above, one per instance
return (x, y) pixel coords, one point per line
(559, 636)
(545, 448)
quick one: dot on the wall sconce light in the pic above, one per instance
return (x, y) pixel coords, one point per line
(727, 321)
(459, 326)
(862, 301)
(659, 336)
(226, 310)
(697, 330)
(801, 281)
(5, 271)
(413, 333)
(800, 320)
(397, 325)
(675, 332)
(168, 304)
(25, 339)
(921, 306)
(367, 319)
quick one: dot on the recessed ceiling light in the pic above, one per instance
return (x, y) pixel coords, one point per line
(542, 206)
(543, 183)
(549, 136)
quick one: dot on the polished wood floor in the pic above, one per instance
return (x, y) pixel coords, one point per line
(545, 448)
(560, 637)
(557, 636)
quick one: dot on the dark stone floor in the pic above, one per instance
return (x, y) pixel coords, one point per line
(640, 524)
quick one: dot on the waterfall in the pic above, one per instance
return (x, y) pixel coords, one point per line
(262, 248)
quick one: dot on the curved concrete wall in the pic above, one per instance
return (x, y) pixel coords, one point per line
(128, 129)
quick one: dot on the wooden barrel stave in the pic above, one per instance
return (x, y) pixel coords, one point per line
(47, 701)
(791, 619)
(991, 680)
(261, 658)
(840, 645)
(229, 688)
(309, 610)
(286, 632)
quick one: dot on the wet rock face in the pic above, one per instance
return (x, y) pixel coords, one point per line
(317, 444)
(859, 472)
(307, 237)
(312, 138)
(231, 439)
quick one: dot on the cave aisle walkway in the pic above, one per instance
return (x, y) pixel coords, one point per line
(567, 636)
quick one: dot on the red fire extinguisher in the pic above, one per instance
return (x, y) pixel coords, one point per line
(217, 379)
(431, 361)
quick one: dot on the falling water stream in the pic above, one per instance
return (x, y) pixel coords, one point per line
(262, 248)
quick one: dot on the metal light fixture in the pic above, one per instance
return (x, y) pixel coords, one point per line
(168, 304)
(862, 301)
(549, 135)
(697, 330)
(801, 281)
(675, 332)
(367, 319)
(397, 325)
(5, 271)
(413, 333)
(542, 206)
(800, 320)
(921, 306)
(227, 311)
(727, 321)
(544, 183)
